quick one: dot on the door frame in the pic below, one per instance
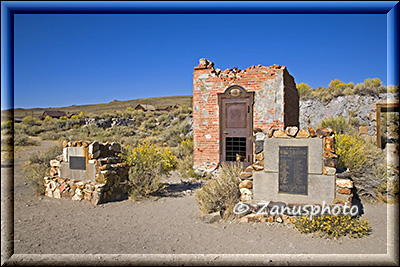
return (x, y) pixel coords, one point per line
(236, 92)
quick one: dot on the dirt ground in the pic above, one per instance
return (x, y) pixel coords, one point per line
(167, 228)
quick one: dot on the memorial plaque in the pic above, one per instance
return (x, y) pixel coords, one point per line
(77, 163)
(293, 169)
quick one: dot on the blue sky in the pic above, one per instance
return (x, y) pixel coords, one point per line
(74, 59)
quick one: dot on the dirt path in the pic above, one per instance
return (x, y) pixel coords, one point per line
(169, 225)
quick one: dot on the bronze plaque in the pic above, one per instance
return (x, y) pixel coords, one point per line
(77, 163)
(293, 168)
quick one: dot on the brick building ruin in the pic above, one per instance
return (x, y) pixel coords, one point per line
(228, 105)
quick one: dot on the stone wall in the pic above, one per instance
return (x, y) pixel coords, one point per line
(102, 179)
(272, 85)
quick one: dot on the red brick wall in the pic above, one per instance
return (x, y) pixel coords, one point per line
(268, 110)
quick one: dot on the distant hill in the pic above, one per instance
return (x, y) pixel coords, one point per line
(113, 106)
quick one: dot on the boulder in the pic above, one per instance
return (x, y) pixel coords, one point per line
(246, 174)
(303, 134)
(246, 195)
(246, 184)
(249, 169)
(280, 134)
(330, 163)
(322, 133)
(258, 167)
(55, 163)
(345, 183)
(312, 132)
(260, 136)
(330, 155)
(291, 130)
(329, 171)
(344, 191)
(271, 132)
(329, 144)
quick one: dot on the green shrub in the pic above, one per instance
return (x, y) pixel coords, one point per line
(38, 166)
(34, 130)
(52, 135)
(24, 140)
(372, 82)
(183, 109)
(181, 117)
(304, 90)
(147, 165)
(334, 226)
(184, 154)
(149, 124)
(340, 124)
(30, 121)
(221, 193)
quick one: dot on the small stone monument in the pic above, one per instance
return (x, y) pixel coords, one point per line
(90, 171)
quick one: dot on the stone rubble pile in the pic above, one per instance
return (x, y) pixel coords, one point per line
(110, 175)
(103, 123)
(230, 75)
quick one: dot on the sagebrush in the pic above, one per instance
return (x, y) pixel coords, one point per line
(221, 193)
(148, 164)
(38, 166)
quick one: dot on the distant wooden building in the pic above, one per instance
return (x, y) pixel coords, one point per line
(145, 107)
(53, 114)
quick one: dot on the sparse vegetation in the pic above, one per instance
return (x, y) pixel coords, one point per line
(340, 124)
(366, 161)
(221, 193)
(334, 226)
(371, 86)
(38, 166)
(147, 165)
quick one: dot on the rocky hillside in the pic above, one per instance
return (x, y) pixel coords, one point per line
(313, 110)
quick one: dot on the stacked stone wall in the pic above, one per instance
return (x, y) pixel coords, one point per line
(104, 178)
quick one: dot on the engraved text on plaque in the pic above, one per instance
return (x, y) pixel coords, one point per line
(293, 168)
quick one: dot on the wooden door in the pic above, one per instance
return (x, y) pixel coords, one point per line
(236, 124)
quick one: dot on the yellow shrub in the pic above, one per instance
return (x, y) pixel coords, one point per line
(304, 90)
(147, 165)
(334, 226)
(351, 151)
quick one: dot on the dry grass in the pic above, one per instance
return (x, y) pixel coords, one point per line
(113, 106)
